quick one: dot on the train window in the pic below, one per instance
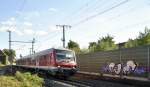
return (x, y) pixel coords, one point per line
(44, 56)
(65, 54)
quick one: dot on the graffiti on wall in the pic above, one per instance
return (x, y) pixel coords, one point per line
(130, 67)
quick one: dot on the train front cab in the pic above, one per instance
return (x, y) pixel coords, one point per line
(66, 62)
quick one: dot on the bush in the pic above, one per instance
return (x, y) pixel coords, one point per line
(9, 81)
(21, 80)
(29, 80)
(1, 64)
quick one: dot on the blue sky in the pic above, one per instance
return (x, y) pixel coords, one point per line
(38, 18)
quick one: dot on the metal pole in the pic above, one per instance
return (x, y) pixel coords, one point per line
(30, 51)
(121, 72)
(33, 45)
(63, 36)
(10, 49)
(148, 64)
(9, 39)
(9, 45)
(63, 26)
(120, 55)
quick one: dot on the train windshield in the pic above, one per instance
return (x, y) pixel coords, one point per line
(65, 54)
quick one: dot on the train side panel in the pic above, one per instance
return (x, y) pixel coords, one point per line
(48, 60)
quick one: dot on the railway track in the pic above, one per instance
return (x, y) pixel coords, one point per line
(51, 81)
(79, 82)
(109, 79)
(82, 83)
(63, 83)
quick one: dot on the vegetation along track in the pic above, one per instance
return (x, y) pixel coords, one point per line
(76, 81)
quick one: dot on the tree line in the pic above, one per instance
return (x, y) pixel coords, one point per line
(107, 43)
(8, 56)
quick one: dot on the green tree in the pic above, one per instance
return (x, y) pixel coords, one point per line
(131, 43)
(144, 37)
(106, 43)
(10, 54)
(84, 51)
(74, 46)
(92, 46)
(3, 58)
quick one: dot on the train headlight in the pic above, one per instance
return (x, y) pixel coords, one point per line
(72, 62)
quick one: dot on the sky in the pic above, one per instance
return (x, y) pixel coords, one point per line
(90, 20)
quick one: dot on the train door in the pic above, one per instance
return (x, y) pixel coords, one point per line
(52, 58)
(37, 61)
(48, 59)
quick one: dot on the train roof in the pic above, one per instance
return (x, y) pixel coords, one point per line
(44, 52)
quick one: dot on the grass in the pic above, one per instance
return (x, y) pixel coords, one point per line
(21, 80)
(1, 64)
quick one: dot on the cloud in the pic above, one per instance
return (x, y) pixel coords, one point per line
(11, 21)
(24, 29)
(41, 33)
(30, 15)
(28, 31)
(53, 28)
(52, 10)
(19, 32)
(12, 29)
(18, 12)
(10, 24)
(27, 24)
(35, 13)
(4, 28)
(36, 32)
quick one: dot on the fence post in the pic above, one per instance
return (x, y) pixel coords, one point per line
(121, 72)
(148, 63)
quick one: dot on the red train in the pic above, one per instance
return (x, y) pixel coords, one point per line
(55, 61)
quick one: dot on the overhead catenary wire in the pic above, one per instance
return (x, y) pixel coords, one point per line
(93, 7)
(96, 7)
(135, 24)
(131, 10)
(99, 13)
(83, 10)
(53, 35)
(77, 11)
(48, 39)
